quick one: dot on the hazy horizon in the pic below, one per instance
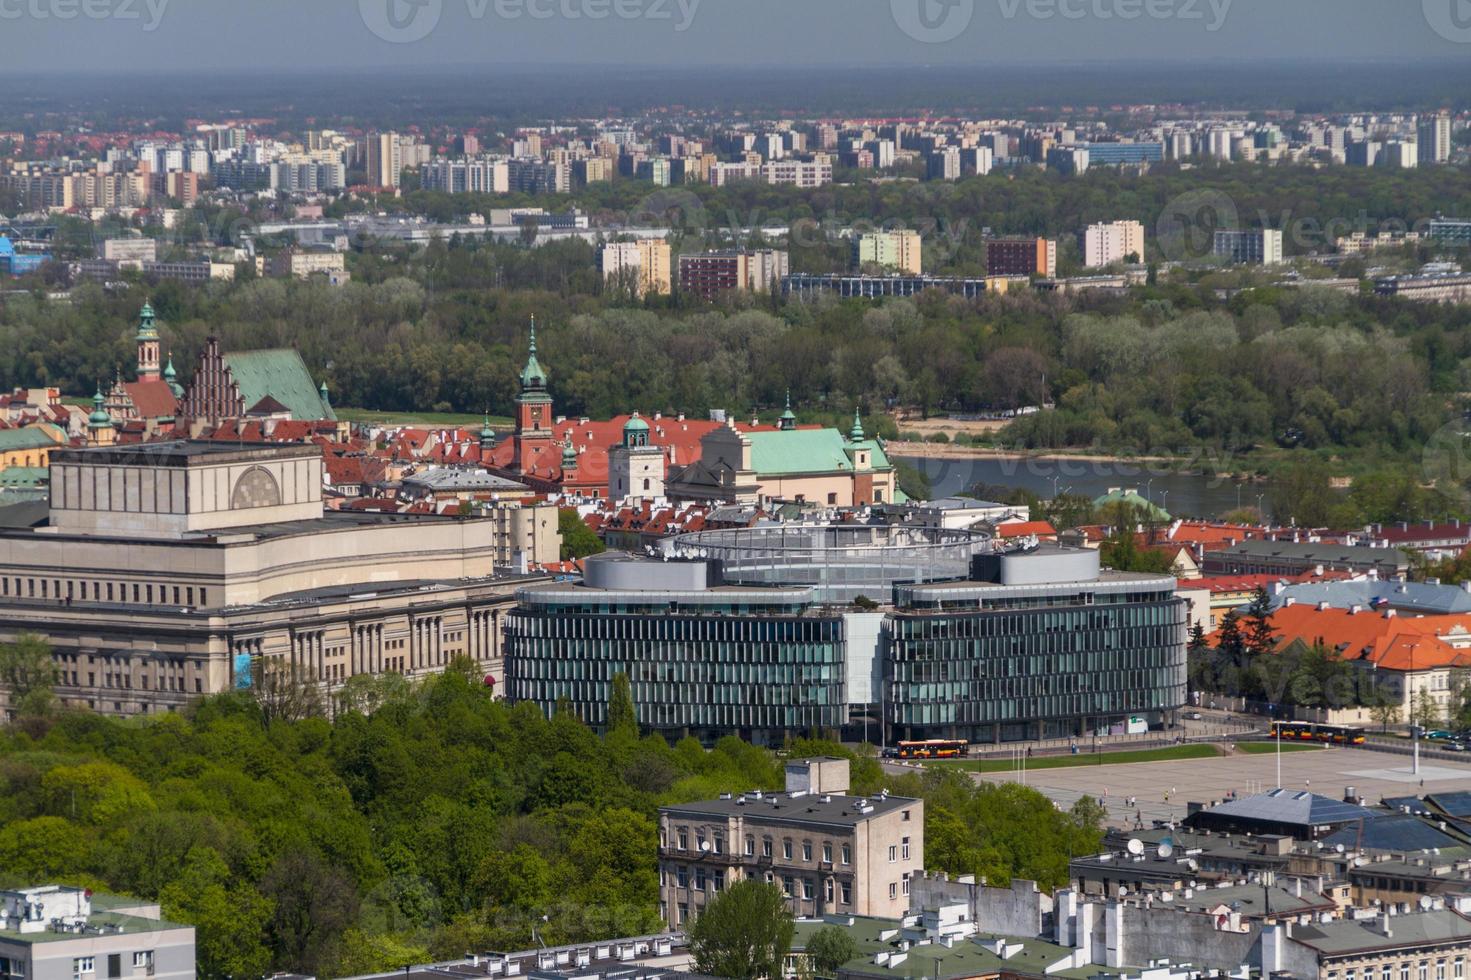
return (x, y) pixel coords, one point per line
(147, 36)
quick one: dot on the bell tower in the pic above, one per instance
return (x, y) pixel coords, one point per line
(148, 361)
(533, 409)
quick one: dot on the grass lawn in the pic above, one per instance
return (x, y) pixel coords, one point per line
(1266, 748)
(419, 418)
(1171, 753)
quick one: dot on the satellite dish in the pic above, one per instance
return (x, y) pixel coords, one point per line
(704, 845)
(1136, 846)
(1426, 902)
(1165, 852)
(1339, 848)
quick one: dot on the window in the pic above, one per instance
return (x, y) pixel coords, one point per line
(83, 964)
(786, 853)
(807, 889)
(893, 853)
(827, 852)
(1458, 971)
(893, 890)
(750, 846)
(806, 850)
(682, 875)
(847, 854)
(700, 841)
(766, 847)
(905, 844)
(684, 839)
(718, 880)
(684, 911)
(115, 965)
(904, 816)
(719, 841)
(905, 883)
(827, 891)
(786, 885)
(699, 879)
(832, 498)
(847, 893)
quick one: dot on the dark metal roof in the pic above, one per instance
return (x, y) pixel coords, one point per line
(1302, 808)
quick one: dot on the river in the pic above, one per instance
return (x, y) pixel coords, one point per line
(1199, 495)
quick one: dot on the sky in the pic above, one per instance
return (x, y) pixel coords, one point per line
(258, 35)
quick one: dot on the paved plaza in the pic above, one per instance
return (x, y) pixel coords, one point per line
(1164, 788)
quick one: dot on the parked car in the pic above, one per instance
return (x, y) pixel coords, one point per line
(1193, 716)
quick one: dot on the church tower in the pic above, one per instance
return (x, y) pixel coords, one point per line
(533, 410)
(635, 466)
(99, 424)
(148, 362)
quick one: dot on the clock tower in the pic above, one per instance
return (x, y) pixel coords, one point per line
(533, 410)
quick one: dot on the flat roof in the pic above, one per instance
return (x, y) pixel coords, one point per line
(834, 810)
(183, 452)
(330, 521)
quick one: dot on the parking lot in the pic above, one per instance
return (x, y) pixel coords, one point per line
(1164, 789)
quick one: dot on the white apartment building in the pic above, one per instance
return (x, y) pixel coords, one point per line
(1109, 242)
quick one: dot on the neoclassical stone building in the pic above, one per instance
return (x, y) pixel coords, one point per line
(166, 571)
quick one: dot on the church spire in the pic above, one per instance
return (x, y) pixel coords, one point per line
(533, 377)
(788, 419)
(147, 340)
(856, 433)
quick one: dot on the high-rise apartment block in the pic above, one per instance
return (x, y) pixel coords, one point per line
(642, 266)
(1434, 138)
(1263, 247)
(1114, 241)
(901, 250)
(708, 274)
(384, 160)
(1021, 257)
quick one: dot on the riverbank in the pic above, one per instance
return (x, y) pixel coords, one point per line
(941, 450)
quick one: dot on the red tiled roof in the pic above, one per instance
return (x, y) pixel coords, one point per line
(152, 399)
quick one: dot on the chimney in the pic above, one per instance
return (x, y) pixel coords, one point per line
(1385, 926)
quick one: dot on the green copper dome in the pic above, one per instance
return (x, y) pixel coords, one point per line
(788, 418)
(99, 417)
(569, 456)
(146, 328)
(171, 377)
(533, 377)
(635, 424)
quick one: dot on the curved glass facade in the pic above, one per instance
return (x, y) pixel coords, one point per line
(1016, 664)
(838, 562)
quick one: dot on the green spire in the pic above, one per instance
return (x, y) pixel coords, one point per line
(788, 418)
(533, 378)
(569, 456)
(856, 433)
(99, 419)
(322, 390)
(146, 328)
(171, 378)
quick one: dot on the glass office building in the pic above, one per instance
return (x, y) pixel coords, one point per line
(703, 659)
(1025, 644)
(997, 663)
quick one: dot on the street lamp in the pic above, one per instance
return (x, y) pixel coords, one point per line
(1164, 500)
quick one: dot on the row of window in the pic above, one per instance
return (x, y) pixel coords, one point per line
(68, 590)
(86, 966)
(1407, 971)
